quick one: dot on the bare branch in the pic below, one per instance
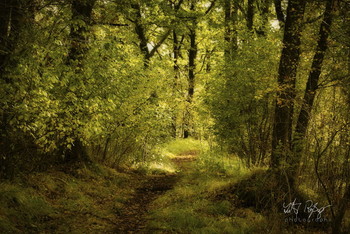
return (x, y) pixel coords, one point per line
(111, 24)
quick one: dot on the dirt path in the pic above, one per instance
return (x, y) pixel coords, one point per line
(132, 219)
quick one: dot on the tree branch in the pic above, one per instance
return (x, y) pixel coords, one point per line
(111, 24)
(160, 42)
(210, 7)
(279, 12)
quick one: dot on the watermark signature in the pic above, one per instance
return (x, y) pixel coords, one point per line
(312, 210)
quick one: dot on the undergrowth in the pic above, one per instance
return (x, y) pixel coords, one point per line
(203, 200)
(193, 205)
(82, 200)
(89, 199)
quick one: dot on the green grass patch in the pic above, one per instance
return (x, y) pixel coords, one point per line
(220, 164)
(184, 146)
(192, 207)
(83, 200)
(21, 208)
(159, 165)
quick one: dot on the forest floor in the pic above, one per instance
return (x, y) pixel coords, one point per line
(133, 217)
(188, 192)
(93, 199)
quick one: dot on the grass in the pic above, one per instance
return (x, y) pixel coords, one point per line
(88, 199)
(161, 163)
(84, 200)
(181, 146)
(203, 200)
(193, 206)
(77, 200)
(21, 209)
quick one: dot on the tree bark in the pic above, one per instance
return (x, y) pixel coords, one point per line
(264, 13)
(279, 12)
(250, 15)
(140, 31)
(192, 64)
(230, 36)
(5, 12)
(289, 61)
(311, 86)
(176, 51)
(192, 55)
(176, 76)
(81, 11)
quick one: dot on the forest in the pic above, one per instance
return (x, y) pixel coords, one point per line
(175, 116)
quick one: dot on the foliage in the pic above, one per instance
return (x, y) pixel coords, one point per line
(240, 98)
(123, 85)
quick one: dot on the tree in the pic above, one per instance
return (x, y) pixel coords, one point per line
(15, 17)
(311, 87)
(79, 34)
(177, 43)
(264, 8)
(279, 12)
(231, 11)
(250, 14)
(140, 30)
(192, 55)
(289, 61)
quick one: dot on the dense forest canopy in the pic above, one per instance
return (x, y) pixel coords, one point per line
(110, 81)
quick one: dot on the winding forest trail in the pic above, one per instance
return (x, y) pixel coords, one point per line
(132, 218)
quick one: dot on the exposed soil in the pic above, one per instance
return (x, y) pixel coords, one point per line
(132, 218)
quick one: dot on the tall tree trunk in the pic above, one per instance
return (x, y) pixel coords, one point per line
(5, 12)
(15, 17)
(289, 61)
(81, 11)
(279, 12)
(192, 55)
(191, 64)
(311, 87)
(176, 51)
(264, 14)
(230, 36)
(176, 77)
(227, 35)
(141, 34)
(140, 31)
(250, 15)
